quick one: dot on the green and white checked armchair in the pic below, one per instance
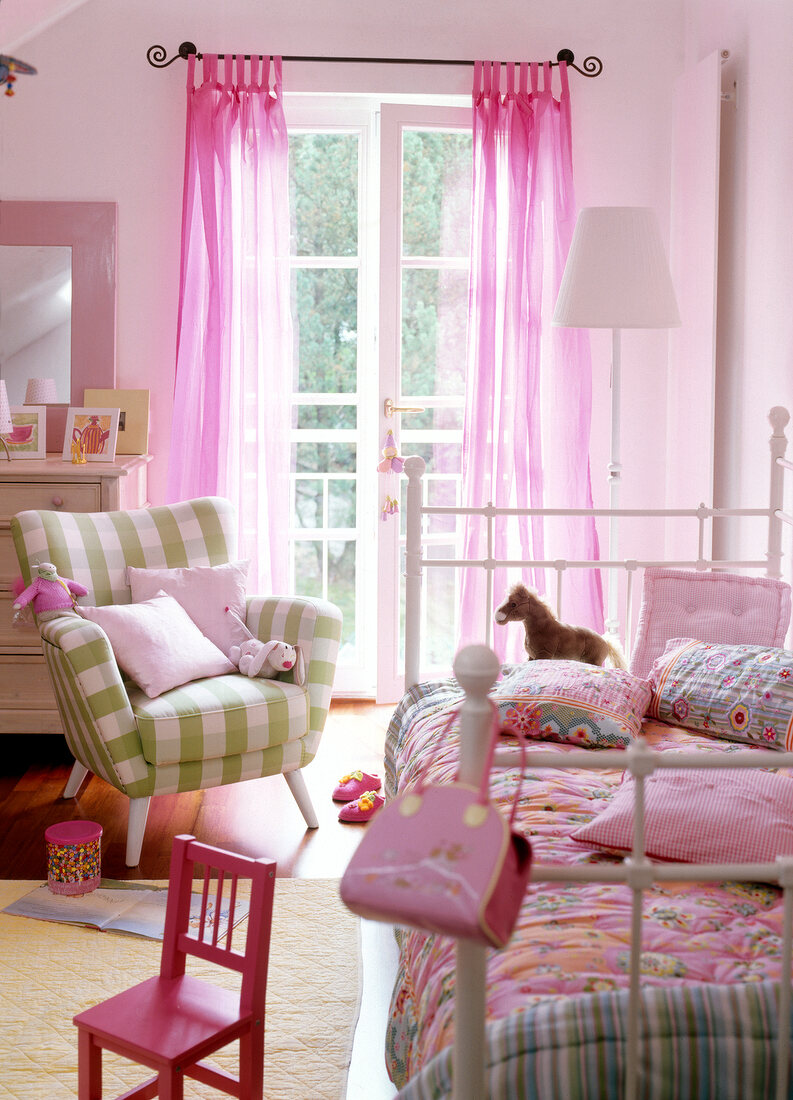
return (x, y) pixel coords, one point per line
(189, 738)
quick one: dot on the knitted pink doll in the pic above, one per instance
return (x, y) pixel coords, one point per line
(391, 460)
(49, 594)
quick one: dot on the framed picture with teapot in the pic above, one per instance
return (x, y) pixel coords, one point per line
(90, 435)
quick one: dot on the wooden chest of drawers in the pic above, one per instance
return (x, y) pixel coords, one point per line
(27, 704)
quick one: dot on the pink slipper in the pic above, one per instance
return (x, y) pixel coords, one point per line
(355, 784)
(362, 808)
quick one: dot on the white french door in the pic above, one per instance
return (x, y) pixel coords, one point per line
(380, 198)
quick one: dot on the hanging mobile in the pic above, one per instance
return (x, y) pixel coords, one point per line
(390, 464)
(9, 67)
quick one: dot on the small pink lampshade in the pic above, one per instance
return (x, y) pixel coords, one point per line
(6, 423)
(41, 391)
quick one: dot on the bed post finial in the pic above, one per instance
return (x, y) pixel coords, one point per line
(779, 418)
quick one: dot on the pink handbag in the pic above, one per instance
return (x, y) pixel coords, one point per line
(442, 858)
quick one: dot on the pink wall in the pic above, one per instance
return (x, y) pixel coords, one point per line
(99, 123)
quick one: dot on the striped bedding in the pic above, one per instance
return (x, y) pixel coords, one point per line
(557, 995)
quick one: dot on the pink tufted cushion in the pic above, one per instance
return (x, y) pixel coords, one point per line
(701, 816)
(711, 607)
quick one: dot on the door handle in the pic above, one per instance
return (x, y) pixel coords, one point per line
(389, 408)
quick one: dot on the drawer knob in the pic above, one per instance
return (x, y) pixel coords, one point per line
(57, 502)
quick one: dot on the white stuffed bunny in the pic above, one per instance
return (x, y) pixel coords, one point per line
(257, 658)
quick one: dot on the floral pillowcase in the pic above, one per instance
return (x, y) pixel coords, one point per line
(574, 703)
(739, 692)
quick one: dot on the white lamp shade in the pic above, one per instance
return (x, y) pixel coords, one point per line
(617, 274)
(41, 391)
(6, 423)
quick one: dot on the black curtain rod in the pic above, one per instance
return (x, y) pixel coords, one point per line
(158, 57)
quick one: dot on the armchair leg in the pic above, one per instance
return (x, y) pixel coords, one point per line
(136, 826)
(297, 785)
(75, 781)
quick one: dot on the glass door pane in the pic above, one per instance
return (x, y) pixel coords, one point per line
(425, 254)
(325, 529)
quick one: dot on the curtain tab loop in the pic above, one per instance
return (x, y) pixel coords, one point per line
(564, 77)
(535, 77)
(277, 64)
(477, 88)
(510, 78)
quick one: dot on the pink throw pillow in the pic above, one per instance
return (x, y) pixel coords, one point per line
(157, 644)
(701, 816)
(713, 607)
(204, 591)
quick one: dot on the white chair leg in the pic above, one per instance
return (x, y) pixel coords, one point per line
(75, 781)
(297, 785)
(136, 826)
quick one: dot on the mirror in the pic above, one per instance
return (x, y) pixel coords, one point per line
(40, 235)
(35, 317)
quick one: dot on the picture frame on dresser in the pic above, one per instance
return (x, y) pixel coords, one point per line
(28, 437)
(90, 435)
(133, 424)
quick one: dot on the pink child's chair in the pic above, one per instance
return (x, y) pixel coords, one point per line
(170, 1022)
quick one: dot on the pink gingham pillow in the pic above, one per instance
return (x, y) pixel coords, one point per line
(713, 607)
(572, 702)
(701, 816)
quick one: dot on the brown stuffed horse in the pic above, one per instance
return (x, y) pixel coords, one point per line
(547, 639)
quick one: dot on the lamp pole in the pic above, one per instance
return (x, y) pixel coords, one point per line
(615, 472)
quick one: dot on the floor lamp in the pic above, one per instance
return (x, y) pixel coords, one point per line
(617, 276)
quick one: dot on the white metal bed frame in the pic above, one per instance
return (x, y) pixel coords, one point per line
(476, 669)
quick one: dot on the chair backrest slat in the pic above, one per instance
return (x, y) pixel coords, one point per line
(211, 938)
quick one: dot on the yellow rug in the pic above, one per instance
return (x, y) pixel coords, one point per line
(49, 972)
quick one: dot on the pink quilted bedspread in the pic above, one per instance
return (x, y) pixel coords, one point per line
(575, 938)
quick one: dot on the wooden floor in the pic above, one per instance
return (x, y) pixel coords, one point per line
(258, 818)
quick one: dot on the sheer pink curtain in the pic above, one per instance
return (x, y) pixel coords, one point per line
(232, 396)
(528, 391)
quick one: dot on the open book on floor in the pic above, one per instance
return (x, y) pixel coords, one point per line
(134, 908)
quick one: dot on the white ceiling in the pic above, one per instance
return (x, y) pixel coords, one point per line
(21, 20)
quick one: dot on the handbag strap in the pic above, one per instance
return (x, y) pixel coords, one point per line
(484, 788)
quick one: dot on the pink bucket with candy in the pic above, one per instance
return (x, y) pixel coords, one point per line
(73, 857)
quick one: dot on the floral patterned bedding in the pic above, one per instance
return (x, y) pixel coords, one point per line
(574, 939)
